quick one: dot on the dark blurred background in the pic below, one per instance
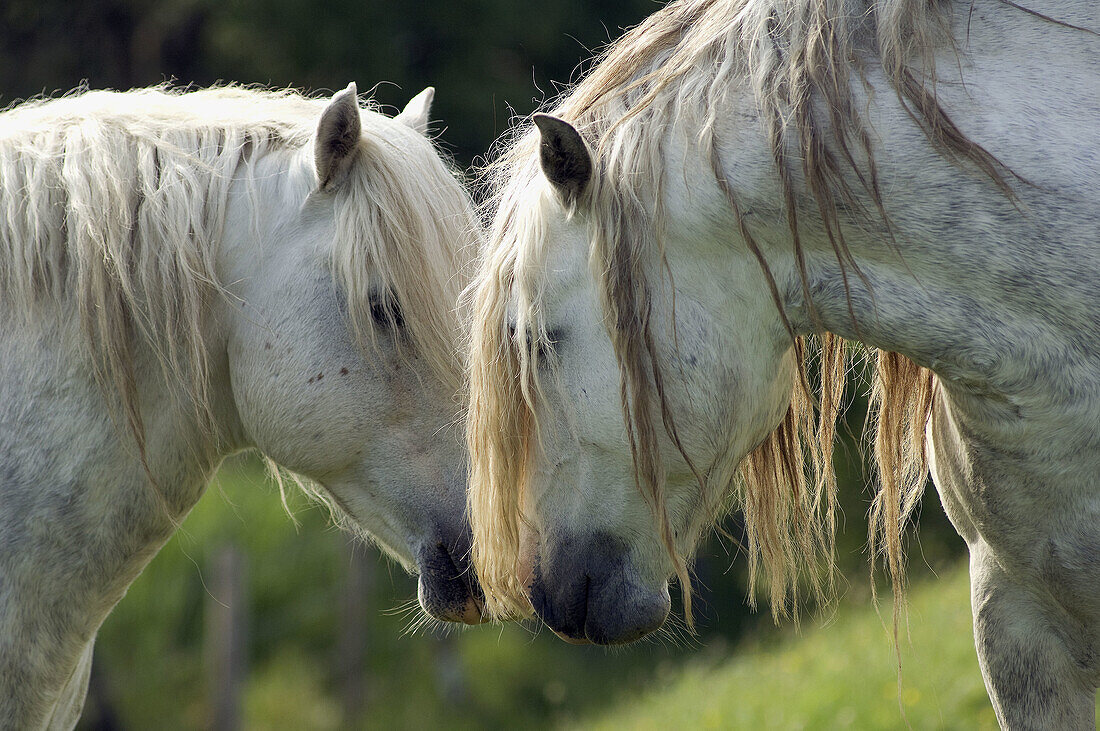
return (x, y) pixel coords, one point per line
(481, 55)
(245, 619)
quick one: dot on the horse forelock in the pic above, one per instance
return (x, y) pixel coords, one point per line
(680, 62)
(502, 425)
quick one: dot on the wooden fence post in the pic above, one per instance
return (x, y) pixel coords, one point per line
(351, 653)
(226, 638)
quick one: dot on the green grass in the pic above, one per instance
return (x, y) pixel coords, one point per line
(837, 674)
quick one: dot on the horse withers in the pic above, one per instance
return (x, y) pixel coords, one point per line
(187, 275)
(740, 185)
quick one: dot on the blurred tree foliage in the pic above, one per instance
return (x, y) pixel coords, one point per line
(483, 56)
(486, 58)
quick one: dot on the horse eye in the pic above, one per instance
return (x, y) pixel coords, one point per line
(548, 347)
(385, 310)
(545, 348)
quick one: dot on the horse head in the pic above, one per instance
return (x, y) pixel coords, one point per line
(643, 374)
(343, 349)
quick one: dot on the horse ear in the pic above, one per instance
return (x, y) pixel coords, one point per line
(563, 156)
(416, 112)
(337, 138)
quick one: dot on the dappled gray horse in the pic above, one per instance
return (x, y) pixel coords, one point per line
(741, 185)
(183, 276)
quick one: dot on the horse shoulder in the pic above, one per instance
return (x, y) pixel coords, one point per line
(1024, 492)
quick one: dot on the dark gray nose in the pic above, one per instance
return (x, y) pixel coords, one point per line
(448, 588)
(587, 590)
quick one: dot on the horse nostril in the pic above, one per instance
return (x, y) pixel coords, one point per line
(563, 608)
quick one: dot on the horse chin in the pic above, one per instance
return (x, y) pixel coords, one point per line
(572, 640)
(471, 611)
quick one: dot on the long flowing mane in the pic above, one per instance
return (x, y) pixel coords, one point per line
(802, 59)
(114, 203)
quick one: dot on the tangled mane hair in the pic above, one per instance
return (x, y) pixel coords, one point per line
(802, 59)
(114, 205)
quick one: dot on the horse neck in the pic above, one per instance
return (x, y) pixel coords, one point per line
(982, 293)
(963, 279)
(260, 201)
(193, 439)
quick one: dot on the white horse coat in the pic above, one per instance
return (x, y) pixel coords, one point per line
(670, 173)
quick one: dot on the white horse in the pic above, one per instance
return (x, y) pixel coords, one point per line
(183, 276)
(735, 178)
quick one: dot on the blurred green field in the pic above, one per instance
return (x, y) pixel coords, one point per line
(837, 674)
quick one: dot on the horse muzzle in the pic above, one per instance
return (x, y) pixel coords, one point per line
(448, 588)
(588, 592)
